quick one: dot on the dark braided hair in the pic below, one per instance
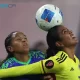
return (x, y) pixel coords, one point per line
(52, 38)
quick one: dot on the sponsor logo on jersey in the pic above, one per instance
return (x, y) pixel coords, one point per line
(72, 69)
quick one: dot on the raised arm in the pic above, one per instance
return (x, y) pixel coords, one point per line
(45, 66)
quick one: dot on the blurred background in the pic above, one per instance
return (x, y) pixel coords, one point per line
(21, 17)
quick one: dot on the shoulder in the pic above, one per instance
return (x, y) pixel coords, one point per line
(37, 54)
(58, 61)
(61, 57)
(7, 63)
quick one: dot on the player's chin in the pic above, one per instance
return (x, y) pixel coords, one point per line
(75, 43)
(26, 49)
(75, 40)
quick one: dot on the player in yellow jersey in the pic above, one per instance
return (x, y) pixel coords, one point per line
(63, 63)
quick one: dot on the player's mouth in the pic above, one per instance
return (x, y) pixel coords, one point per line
(73, 37)
(25, 45)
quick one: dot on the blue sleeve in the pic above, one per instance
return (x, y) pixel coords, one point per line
(41, 54)
(38, 54)
(6, 64)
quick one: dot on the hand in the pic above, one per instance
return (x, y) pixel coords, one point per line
(48, 77)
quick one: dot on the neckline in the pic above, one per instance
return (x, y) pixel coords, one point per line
(27, 62)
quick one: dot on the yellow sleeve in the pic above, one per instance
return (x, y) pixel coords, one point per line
(51, 65)
(41, 67)
(22, 70)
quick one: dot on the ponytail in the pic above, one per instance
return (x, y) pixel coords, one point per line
(50, 52)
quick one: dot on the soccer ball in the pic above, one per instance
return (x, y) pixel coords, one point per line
(48, 16)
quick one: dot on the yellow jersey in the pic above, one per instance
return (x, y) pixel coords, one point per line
(61, 65)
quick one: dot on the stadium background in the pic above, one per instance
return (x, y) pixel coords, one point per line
(22, 18)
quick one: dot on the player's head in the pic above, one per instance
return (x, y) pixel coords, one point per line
(16, 43)
(59, 37)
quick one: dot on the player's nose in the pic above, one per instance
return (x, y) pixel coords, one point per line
(23, 40)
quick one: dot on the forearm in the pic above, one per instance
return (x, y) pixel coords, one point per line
(35, 68)
(41, 67)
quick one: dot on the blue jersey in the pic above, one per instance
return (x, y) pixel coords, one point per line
(35, 56)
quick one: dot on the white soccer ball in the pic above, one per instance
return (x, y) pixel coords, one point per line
(48, 16)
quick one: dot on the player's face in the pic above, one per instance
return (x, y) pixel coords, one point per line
(19, 43)
(67, 37)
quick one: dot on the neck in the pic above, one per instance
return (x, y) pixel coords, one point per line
(70, 52)
(22, 57)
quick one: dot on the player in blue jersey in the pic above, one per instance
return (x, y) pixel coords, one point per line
(17, 46)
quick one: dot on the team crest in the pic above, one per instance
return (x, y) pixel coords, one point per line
(49, 64)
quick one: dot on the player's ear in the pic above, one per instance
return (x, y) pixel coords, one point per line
(10, 48)
(59, 44)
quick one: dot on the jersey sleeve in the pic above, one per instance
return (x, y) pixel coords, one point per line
(7, 63)
(4, 65)
(41, 67)
(51, 65)
(38, 54)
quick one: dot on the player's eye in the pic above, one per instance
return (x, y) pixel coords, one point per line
(18, 39)
(25, 38)
(65, 31)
